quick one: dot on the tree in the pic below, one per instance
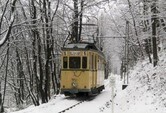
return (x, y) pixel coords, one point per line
(135, 28)
(7, 34)
(2, 42)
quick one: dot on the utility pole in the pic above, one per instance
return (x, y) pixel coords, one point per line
(154, 37)
(127, 50)
(126, 61)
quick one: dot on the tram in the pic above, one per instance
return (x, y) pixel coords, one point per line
(83, 69)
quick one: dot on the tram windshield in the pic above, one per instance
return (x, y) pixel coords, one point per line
(74, 62)
(84, 62)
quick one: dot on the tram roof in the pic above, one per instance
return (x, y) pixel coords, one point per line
(80, 46)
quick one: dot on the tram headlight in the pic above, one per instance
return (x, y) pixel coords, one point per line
(74, 84)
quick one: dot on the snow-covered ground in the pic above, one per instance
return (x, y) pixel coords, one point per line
(144, 94)
(97, 104)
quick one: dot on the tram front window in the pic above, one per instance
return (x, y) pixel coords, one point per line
(74, 62)
(84, 62)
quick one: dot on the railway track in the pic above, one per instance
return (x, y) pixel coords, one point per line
(80, 99)
(63, 111)
(83, 99)
(107, 104)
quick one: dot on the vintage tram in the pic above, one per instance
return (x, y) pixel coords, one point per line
(83, 69)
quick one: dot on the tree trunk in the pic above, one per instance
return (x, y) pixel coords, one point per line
(81, 14)
(74, 35)
(148, 49)
(48, 49)
(20, 80)
(5, 82)
(34, 53)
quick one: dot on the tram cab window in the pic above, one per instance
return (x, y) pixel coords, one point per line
(65, 62)
(84, 62)
(74, 62)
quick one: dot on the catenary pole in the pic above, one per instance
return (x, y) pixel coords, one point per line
(154, 37)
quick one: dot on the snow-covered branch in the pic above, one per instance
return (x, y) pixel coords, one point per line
(6, 36)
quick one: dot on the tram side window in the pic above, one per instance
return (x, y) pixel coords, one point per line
(84, 62)
(95, 62)
(74, 62)
(65, 62)
(92, 61)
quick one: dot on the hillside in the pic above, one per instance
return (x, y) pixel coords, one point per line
(146, 90)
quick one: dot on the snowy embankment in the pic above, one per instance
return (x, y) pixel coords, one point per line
(144, 94)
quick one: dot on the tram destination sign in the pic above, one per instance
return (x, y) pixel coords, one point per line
(75, 53)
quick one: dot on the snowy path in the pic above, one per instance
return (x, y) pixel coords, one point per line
(100, 103)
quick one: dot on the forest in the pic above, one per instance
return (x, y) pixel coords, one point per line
(32, 33)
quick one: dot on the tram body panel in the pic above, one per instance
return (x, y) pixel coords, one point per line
(81, 79)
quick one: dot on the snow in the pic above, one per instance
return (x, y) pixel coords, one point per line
(145, 94)
(146, 90)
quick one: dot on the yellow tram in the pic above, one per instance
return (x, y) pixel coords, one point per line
(83, 69)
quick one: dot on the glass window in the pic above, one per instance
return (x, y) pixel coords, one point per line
(84, 62)
(65, 62)
(95, 62)
(74, 62)
(92, 61)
